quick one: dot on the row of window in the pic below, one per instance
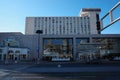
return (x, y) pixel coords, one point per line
(38, 23)
(66, 30)
(60, 18)
(75, 29)
(67, 22)
(62, 25)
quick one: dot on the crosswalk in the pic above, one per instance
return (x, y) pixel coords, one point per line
(7, 71)
(57, 76)
(2, 73)
(31, 76)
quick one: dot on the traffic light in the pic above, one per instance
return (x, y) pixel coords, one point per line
(98, 25)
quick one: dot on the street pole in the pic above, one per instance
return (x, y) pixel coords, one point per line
(39, 32)
(38, 49)
(7, 49)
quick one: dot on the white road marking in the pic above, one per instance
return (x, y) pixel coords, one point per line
(68, 77)
(23, 74)
(87, 76)
(3, 73)
(27, 77)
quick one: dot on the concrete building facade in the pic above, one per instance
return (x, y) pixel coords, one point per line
(84, 23)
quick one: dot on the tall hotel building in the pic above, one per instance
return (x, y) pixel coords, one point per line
(84, 23)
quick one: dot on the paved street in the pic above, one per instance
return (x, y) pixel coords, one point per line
(62, 76)
(60, 71)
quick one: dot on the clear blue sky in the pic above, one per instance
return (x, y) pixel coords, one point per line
(14, 12)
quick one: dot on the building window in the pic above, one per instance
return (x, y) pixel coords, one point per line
(17, 51)
(4, 56)
(53, 21)
(35, 22)
(0, 50)
(89, 29)
(10, 51)
(23, 56)
(46, 19)
(0, 56)
(82, 29)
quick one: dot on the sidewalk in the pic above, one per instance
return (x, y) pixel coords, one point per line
(49, 67)
(46, 62)
(75, 69)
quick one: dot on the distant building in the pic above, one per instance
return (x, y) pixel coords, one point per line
(84, 23)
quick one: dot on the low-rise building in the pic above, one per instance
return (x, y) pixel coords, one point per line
(75, 47)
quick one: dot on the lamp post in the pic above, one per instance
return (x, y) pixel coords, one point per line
(7, 53)
(39, 32)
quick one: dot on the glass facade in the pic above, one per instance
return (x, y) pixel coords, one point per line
(108, 45)
(100, 48)
(58, 48)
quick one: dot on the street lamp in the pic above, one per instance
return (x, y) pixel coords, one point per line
(39, 32)
(7, 53)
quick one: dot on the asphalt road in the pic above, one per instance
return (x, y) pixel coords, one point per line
(61, 76)
(33, 72)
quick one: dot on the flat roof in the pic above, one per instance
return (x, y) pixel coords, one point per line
(90, 9)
